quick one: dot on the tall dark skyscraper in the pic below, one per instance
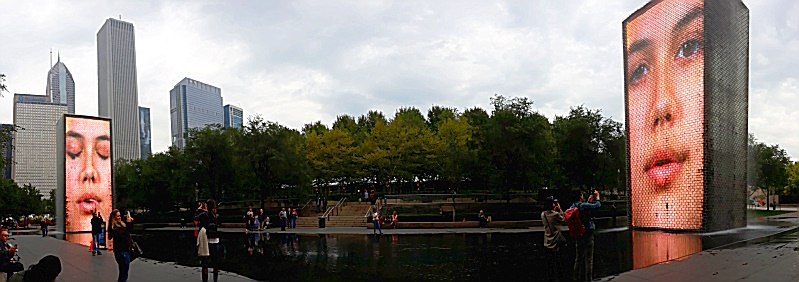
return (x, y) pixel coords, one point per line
(118, 94)
(144, 132)
(5, 151)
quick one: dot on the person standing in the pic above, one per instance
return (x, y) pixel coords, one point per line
(261, 219)
(208, 240)
(552, 218)
(482, 220)
(97, 230)
(43, 224)
(282, 216)
(376, 222)
(294, 216)
(123, 244)
(584, 259)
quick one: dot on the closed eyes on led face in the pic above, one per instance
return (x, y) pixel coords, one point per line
(75, 144)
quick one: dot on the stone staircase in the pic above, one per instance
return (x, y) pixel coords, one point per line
(349, 215)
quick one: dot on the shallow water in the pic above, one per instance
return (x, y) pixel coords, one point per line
(470, 257)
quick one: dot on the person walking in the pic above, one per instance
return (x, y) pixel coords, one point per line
(552, 218)
(584, 259)
(123, 244)
(261, 219)
(208, 240)
(97, 230)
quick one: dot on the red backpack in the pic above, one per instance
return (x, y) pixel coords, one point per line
(576, 227)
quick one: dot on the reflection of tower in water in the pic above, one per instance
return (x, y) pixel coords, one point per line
(652, 247)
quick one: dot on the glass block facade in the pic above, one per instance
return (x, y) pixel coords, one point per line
(686, 104)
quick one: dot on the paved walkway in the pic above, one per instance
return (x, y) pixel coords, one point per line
(77, 264)
(772, 258)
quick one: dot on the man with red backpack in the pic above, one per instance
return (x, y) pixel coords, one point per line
(584, 260)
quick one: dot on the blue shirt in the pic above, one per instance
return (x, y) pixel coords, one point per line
(585, 210)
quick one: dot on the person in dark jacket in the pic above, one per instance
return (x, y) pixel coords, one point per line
(210, 222)
(123, 244)
(97, 230)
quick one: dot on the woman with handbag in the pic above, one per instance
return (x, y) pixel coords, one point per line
(552, 218)
(208, 240)
(123, 244)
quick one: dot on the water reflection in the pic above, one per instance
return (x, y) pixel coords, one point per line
(652, 247)
(485, 256)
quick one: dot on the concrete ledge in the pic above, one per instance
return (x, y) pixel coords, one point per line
(467, 224)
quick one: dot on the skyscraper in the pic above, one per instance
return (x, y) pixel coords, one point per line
(61, 86)
(233, 116)
(117, 95)
(193, 104)
(144, 132)
(6, 151)
(34, 142)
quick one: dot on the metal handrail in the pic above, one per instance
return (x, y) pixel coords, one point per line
(338, 205)
(306, 204)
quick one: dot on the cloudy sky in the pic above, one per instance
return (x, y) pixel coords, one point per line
(295, 62)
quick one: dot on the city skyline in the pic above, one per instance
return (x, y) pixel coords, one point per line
(304, 62)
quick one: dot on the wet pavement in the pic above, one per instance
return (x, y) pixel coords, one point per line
(78, 264)
(769, 258)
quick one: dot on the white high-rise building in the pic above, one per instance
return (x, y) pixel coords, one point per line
(34, 152)
(193, 104)
(117, 95)
(234, 116)
(61, 86)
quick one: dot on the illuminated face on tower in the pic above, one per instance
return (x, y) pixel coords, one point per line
(686, 110)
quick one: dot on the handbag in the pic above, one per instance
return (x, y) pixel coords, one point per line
(135, 251)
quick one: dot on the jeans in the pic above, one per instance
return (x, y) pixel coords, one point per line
(123, 261)
(377, 227)
(584, 261)
(283, 224)
(96, 243)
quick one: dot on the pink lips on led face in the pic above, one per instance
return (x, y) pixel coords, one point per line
(664, 166)
(88, 203)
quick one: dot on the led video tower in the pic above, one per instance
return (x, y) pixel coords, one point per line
(686, 102)
(86, 171)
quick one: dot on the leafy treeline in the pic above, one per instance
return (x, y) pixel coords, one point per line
(511, 148)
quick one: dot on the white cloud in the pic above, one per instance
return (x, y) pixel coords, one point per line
(297, 62)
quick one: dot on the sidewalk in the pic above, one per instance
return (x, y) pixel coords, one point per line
(78, 264)
(772, 258)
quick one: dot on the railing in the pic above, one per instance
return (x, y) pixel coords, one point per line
(336, 208)
(302, 209)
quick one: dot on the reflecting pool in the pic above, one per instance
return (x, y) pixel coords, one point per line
(464, 256)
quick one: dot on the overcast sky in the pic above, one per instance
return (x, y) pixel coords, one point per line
(295, 62)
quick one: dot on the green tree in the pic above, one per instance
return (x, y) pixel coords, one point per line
(771, 163)
(3, 87)
(521, 145)
(590, 150)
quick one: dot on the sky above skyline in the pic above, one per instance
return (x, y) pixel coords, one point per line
(297, 62)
